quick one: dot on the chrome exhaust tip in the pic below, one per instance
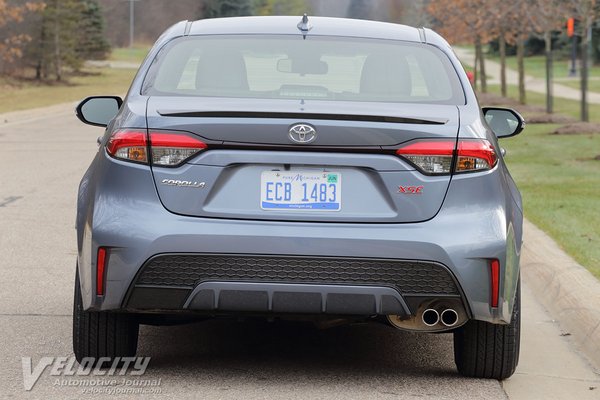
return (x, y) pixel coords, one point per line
(430, 317)
(449, 317)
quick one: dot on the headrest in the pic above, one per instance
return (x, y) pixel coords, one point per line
(386, 75)
(221, 70)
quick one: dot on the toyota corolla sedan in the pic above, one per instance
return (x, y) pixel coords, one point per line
(300, 167)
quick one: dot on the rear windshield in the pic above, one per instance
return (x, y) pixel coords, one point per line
(290, 67)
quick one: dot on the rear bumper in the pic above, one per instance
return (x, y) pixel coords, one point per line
(135, 228)
(225, 283)
(265, 298)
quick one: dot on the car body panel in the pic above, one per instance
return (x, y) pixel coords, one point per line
(468, 219)
(369, 195)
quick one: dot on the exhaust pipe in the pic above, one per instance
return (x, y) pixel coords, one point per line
(449, 317)
(430, 317)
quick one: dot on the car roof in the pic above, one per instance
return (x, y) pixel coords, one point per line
(326, 26)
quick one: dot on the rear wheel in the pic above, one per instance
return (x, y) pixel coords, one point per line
(102, 334)
(486, 350)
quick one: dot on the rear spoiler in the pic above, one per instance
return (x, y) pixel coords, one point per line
(303, 116)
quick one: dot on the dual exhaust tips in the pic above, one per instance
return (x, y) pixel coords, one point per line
(448, 317)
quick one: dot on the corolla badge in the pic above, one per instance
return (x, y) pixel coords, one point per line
(302, 133)
(181, 183)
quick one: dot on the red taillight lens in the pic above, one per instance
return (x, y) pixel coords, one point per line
(128, 145)
(170, 149)
(436, 156)
(167, 148)
(495, 282)
(100, 271)
(475, 155)
(430, 156)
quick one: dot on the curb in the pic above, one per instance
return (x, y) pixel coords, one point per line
(569, 291)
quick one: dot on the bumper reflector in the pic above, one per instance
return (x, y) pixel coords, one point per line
(495, 282)
(100, 273)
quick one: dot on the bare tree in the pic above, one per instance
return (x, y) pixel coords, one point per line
(11, 44)
(518, 30)
(500, 26)
(550, 15)
(465, 21)
(518, 24)
(586, 11)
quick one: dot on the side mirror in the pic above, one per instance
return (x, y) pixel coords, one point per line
(504, 122)
(98, 110)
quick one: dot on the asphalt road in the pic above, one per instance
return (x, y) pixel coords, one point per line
(42, 158)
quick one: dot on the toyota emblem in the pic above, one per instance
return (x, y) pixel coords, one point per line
(302, 133)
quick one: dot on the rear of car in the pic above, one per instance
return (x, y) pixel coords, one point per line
(327, 169)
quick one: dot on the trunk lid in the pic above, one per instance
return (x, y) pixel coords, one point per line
(249, 147)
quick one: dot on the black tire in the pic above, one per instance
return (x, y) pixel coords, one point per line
(102, 334)
(490, 351)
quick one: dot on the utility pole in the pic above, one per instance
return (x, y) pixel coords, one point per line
(549, 59)
(571, 34)
(131, 22)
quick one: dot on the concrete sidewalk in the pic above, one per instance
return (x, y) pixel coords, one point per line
(568, 290)
(537, 85)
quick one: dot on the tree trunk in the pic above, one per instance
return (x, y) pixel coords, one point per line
(475, 70)
(521, 66)
(585, 40)
(40, 51)
(479, 53)
(502, 50)
(549, 72)
(57, 58)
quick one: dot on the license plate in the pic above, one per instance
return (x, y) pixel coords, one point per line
(303, 191)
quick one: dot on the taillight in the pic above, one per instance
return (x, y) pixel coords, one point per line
(130, 145)
(436, 156)
(475, 155)
(166, 148)
(430, 156)
(169, 149)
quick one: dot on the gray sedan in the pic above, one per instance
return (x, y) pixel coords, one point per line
(297, 167)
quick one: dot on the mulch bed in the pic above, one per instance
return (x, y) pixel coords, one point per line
(578, 128)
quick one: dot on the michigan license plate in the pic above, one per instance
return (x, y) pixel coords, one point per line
(307, 191)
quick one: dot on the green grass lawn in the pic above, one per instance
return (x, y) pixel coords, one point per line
(536, 66)
(593, 84)
(559, 180)
(562, 106)
(26, 94)
(560, 183)
(135, 54)
(17, 94)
